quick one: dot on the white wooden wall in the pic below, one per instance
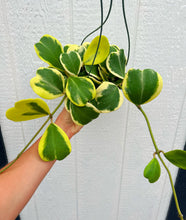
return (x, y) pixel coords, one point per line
(102, 179)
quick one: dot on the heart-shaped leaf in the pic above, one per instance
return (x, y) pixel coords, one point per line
(48, 83)
(54, 144)
(113, 48)
(83, 115)
(80, 90)
(152, 171)
(177, 157)
(49, 49)
(116, 62)
(28, 109)
(108, 97)
(102, 53)
(142, 86)
(71, 62)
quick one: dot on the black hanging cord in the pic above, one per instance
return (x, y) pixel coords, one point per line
(101, 30)
(126, 26)
(108, 14)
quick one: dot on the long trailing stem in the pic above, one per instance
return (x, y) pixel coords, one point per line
(35, 135)
(161, 159)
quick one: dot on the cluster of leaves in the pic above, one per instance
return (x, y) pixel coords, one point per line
(93, 80)
(90, 89)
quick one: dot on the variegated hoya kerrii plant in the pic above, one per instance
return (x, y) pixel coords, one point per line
(91, 79)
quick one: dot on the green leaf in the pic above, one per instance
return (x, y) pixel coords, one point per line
(102, 54)
(93, 71)
(152, 171)
(79, 49)
(96, 82)
(142, 86)
(104, 75)
(49, 49)
(65, 48)
(177, 157)
(54, 144)
(72, 47)
(116, 62)
(83, 115)
(48, 83)
(103, 66)
(108, 97)
(80, 90)
(28, 109)
(67, 104)
(71, 62)
(86, 44)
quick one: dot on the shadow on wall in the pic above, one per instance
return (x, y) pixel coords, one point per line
(180, 186)
(3, 157)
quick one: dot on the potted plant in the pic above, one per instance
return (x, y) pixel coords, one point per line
(90, 79)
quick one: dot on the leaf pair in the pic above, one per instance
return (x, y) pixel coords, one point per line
(54, 144)
(152, 170)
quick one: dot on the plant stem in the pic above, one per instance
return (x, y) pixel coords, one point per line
(161, 159)
(32, 139)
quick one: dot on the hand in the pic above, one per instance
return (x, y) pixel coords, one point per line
(65, 122)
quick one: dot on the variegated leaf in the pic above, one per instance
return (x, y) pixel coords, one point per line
(142, 86)
(83, 115)
(48, 83)
(28, 109)
(71, 62)
(54, 144)
(49, 49)
(113, 48)
(67, 104)
(116, 62)
(93, 71)
(79, 49)
(80, 90)
(102, 53)
(108, 97)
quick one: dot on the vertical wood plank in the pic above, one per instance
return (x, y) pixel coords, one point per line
(101, 145)
(156, 47)
(24, 22)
